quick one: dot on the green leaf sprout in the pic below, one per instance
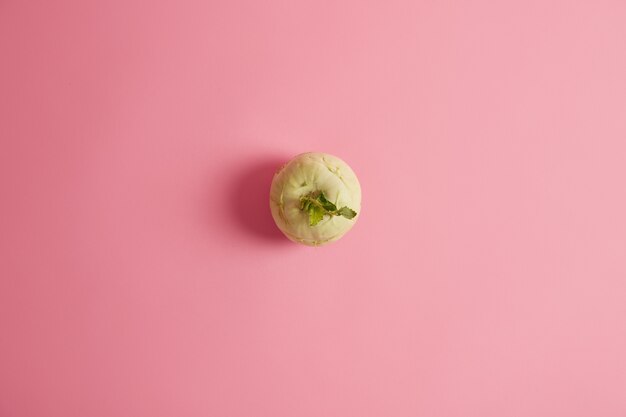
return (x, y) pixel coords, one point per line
(317, 206)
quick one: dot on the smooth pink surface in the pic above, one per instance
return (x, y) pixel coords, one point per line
(141, 273)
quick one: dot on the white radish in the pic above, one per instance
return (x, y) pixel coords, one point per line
(315, 198)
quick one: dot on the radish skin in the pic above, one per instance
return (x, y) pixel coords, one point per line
(306, 174)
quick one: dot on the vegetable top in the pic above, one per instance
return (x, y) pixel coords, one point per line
(317, 206)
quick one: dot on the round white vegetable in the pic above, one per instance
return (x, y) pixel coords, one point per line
(315, 198)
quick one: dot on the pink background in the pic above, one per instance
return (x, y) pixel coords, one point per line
(141, 273)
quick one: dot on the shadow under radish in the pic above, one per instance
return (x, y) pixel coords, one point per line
(249, 200)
